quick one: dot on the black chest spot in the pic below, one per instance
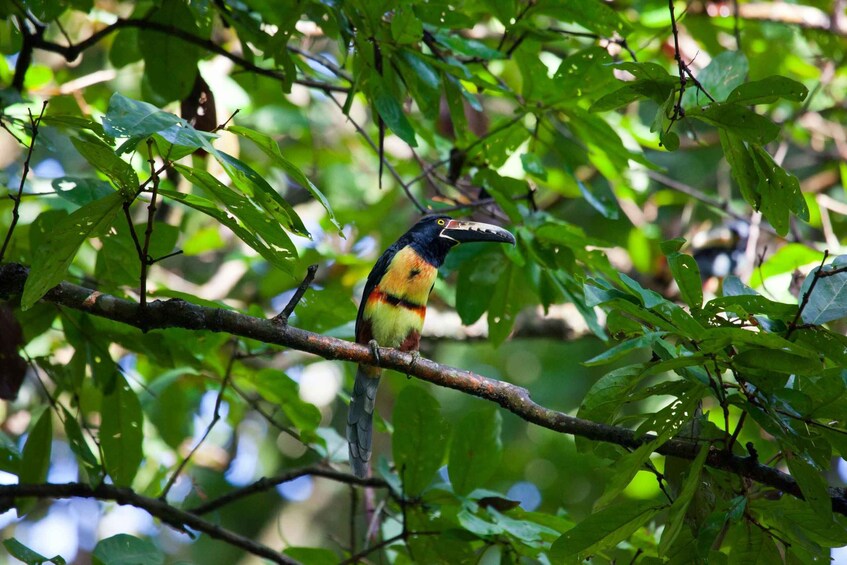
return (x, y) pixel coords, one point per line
(414, 273)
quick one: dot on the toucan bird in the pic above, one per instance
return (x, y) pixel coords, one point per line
(393, 307)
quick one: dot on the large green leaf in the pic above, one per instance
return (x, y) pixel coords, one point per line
(35, 460)
(53, 257)
(137, 120)
(768, 90)
(420, 438)
(124, 549)
(391, 110)
(740, 120)
(721, 76)
(261, 193)
(602, 530)
(740, 159)
(828, 300)
(475, 450)
(80, 447)
(678, 509)
(249, 222)
(121, 433)
(116, 169)
(22, 553)
(780, 192)
(812, 485)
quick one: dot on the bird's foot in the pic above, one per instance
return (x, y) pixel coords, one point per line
(374, 347)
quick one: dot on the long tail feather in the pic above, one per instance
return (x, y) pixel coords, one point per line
(360, 419)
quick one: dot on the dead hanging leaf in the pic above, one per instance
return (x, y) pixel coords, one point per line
(198, 108)
(12, 365)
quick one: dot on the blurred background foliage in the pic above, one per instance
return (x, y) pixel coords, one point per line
(595, 130)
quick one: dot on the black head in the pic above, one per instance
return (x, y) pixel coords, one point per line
(434, 235)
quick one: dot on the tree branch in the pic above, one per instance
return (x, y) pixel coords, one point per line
(71, 52)
(177, 313)
(170, 515)
(267, 483)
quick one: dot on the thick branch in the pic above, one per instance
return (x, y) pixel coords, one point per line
(180, 314)
(168, 514)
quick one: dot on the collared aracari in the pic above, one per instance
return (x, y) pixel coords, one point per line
(393, 307)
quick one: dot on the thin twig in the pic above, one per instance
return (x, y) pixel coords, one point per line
(282, 317)
(216, 416)
(267, 483)
(17, 199)
(144, 255)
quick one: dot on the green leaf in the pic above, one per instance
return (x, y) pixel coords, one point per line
(623, 471)
(249, 210)
(124, 549)
(170, 63)
(104, 160)
(466, 46)
(22, 553)
(267, 144)
(53, 257)
(80, 448)
(81, 191)
(740, 159)
(274, 255)
(35, 460)
(533, 165)
(609, 393)
(780, 192)
(812, 485)
(686, 273)
(391, 111)
(405, 26)
(777, 360)
(510, 295)
(601, 198)
(828, 300)
(257, 189)
(768, 90)
(595, 16)
(475, 450)
(624, 348)
(126, 117)
(721, 76)
(678, 509)
(121, 433)
(475, 284)
(740, 120)
(420, 438)
(602, 530)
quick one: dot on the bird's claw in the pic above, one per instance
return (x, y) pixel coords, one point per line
(374, 347)
(415, 357)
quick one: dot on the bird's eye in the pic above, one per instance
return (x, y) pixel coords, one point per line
(440, 222)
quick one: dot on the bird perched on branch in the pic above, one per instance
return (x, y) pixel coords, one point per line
(393, 307)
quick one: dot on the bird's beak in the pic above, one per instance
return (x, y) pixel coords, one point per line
(462, 232)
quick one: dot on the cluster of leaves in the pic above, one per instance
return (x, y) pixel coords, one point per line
(509, 109)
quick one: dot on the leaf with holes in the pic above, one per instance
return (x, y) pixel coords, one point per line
(56, 252)
(121, 433)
